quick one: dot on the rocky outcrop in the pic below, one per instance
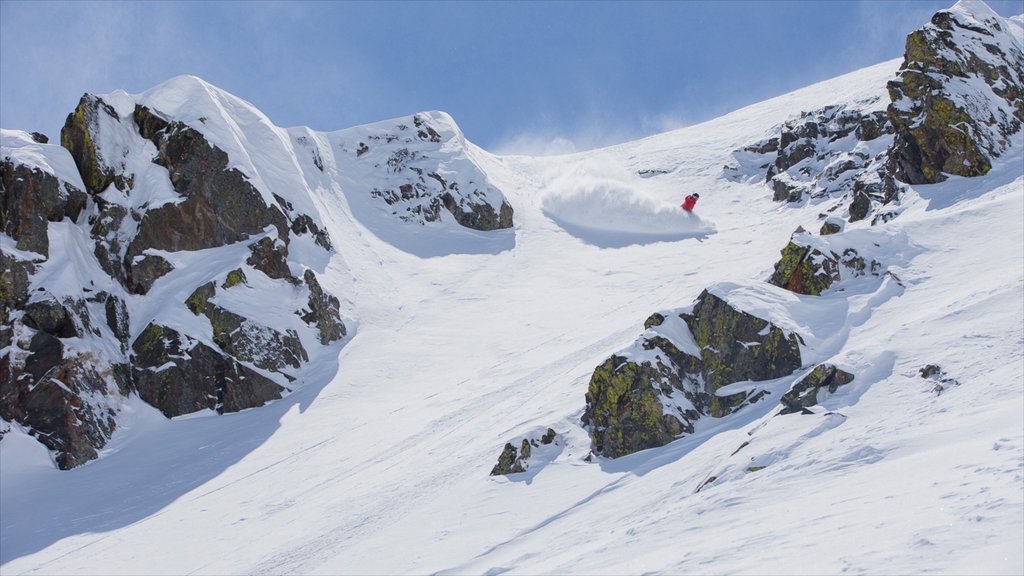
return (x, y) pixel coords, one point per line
(809, 266)
(417, 167)
(804, 394)
(958, 97)
(29, 199)
(940, 380)
(322, 311)
(159, 188)
(654, 392)
(178, 375)
(825, 153)
(515, 460)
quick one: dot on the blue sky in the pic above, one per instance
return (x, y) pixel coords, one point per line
(518, 77)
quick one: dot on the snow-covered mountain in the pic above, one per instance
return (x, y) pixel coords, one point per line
(266, 350)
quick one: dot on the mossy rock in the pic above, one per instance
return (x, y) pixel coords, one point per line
(197, 302)
(805, 270)
(234, 278)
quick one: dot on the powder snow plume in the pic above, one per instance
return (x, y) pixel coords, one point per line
(604, 204)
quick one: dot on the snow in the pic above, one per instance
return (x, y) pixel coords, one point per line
(22, 149)
(379, 461)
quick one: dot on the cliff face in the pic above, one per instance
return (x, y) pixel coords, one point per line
(958, 96)
(954, 105)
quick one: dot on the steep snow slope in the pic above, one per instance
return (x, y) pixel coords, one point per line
(380, 463)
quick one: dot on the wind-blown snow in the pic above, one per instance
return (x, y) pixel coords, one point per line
(379, 462)
(605, 205)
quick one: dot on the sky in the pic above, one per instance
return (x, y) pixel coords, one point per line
(518, 77)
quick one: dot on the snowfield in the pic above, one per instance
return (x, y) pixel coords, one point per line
(460, 342)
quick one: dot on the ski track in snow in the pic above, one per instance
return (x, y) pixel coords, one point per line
(379, 463)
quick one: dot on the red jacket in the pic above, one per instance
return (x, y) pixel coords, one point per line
(689, 202)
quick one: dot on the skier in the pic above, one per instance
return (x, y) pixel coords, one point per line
(689, 202)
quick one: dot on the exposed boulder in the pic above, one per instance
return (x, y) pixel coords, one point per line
(958, 96)
(812, 266)
(804, 394)
(655, 391)
(51, 317)
(514, 460)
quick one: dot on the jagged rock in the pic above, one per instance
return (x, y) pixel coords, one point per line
(245, 339)
(178, 375)
(147, 270)
(830, 227)
(804, 393)
(50, 317)
(46, 396)
(270, 258)
(644, 403)
(958, 96)
(117, 318)
(818, 154)
(40, 137)
(805, 270)
(252, 342)
(514, 460)
(725, 336)
(29, 198)
(427, 174)
(324, 311)
(220, 207)
(808, 266)
(79, 134)
(941, 381)
(508, 462)
(303, 224)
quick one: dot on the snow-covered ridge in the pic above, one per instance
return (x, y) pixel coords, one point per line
(392, 437)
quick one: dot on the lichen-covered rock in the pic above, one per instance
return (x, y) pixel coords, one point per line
(624, 411)
(514, 460)
(811, 266)
(324, 311)
(738, 346)
(508, 462)
(81, 130)
(805, 270)
(958, 96)
(654, 392)
(178, 375)
(804, 394)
